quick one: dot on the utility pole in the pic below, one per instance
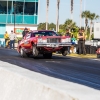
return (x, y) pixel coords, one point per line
(14, 15)
(72, 10)
(38, 11)
(47, 14)
(84, 10)
(80, 13)
(57, 22)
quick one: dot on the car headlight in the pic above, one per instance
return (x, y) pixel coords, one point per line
(63, 40)
(39, 39)
(66, 40)
(44, 41)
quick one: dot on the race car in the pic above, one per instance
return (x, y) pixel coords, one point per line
(43, 42)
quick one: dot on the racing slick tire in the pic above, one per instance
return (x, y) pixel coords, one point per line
(35, 51)
(98, 55)
(47, 55)
(64, 53)
(22, 53)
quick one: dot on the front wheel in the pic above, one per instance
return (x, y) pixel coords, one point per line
(22, 53)
(35, 51)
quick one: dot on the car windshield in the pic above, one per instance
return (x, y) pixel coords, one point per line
(45, 33)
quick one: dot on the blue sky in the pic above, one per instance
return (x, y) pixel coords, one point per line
(64, 13)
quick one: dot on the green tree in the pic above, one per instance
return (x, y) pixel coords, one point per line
(41, 26)
(86, 15)
(52, 26)
(69, 24)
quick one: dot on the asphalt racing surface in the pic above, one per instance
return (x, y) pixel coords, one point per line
(77, 70)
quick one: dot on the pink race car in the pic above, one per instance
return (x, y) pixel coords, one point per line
(43, 42)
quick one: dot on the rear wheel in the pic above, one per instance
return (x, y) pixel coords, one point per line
(47, 55)
(64, 53)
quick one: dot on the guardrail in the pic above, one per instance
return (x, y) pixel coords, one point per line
(17, 83)
(2, 43)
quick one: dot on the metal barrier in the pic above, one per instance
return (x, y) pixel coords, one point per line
(2, 43)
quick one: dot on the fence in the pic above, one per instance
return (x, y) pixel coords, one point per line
(2, 43)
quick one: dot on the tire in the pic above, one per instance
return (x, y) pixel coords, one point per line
(35, 51)
(47, 55)
(22, 53)
(64, 53)
(98, 55)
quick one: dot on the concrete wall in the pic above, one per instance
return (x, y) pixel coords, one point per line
(21, 84)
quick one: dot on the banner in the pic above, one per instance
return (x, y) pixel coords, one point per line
(20, 30)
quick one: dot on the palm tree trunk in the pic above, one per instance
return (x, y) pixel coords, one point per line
(80, 13)
(90, 30)
(57, 23)
(72, 10)
(86, 30)
(47, 14)
(86, 23)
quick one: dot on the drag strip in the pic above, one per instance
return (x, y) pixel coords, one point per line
(77, 70)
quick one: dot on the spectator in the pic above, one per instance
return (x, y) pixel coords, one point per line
(68, 34)
(85, 36)
(12, 37)
(25, 32)
(6, 37)
(73, 40)
(81, 43)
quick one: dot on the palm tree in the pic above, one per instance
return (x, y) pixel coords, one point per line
(41, 26)
(86, 15)
(57, 23)
(80, 12)
(47, 14)
(69, 24)
(52, 26)
(92, 17)
(72, 9)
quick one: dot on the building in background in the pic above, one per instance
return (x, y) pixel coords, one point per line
(18, 14)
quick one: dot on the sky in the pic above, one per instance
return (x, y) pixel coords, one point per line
(64, 12)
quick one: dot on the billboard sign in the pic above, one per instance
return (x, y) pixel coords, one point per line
(19, 31)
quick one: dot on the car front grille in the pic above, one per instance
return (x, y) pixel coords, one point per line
(53, 40)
